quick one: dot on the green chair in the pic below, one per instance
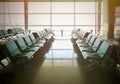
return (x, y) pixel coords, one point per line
(20, 30)
(15, 54)
(6, 34)
(35, 42)
(1, 34)
(90, 43)
(22, 45)
(30, 44)
(41, 39)
(92, 48)
(104, 50)
(79, 42)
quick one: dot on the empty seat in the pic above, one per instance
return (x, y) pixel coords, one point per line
(14, 31)
(22, 45)
(103, 50)
(12, 50)
(79, 41)
(40, 44)
(42, 34)
(30, 44)
(90, 43)
(92, 48)
(39, 37)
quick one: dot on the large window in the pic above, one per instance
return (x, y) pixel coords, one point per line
(56, 15)
(62, 16)
(11, 14)
(39, 16)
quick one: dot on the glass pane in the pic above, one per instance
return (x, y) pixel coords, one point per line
(101, 7)
(39, 19)
(96, 6)
(85, 7)
(14, 19)
(57, 32)
(37, 28)
(1, 7)
(14, 7)
(96, 17)
(39, 7)
(117, 21)
(62, 7)
(61, 19)
(1, 19)
(66, 30)
(86, 28)
(14, 26)
(85, 19)
(63, 28)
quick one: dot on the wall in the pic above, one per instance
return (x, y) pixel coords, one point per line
(109, 17)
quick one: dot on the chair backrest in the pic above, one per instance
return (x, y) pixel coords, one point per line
(21, 44)
(41, 34)
(88, 38)
(104, 49)
(5, 32)
(92, 40)
(80, 33)
(14, 31)
(21, 30)
(1, 34)
(32, 38)
(12, 49)
(27, 40)
(44, 33)
(96, 44)
(83, 35)
(36, 35)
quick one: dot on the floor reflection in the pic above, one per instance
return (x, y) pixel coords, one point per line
(60, 65)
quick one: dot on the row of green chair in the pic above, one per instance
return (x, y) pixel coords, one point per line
(43, 35)
(79, 34)
(6, 34)
(94, 49)
(21, 49)
(15, 31)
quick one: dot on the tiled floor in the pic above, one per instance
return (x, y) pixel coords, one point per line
(60, 65)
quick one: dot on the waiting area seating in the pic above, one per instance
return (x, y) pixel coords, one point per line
(6, 34)
(43, 35)
(78, 33)
(15, 31)
(22, 49)
(94, 49)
